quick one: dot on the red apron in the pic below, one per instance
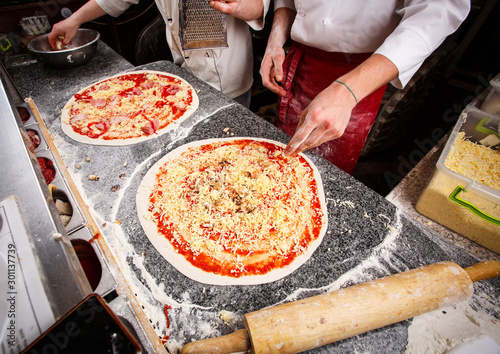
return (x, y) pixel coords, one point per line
(307, 72)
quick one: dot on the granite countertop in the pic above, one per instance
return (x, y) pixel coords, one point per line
(368, 237)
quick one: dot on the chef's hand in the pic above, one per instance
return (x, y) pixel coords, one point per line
(246, 10)
(66, 29)
(324, 119)
(327, 116)
(69, 27)
(271, 68)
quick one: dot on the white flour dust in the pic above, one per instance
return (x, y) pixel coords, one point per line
(360, 274)
(441, 330)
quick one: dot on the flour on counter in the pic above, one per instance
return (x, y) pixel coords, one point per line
(153, 296)
(149, 293)
(360, 274)
(440, 330)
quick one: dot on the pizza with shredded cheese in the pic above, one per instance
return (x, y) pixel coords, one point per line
(128, 108)
(233, 211)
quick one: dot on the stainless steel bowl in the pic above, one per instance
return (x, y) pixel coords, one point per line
(78, 52)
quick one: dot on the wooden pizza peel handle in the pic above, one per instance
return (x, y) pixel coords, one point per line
(316, 321)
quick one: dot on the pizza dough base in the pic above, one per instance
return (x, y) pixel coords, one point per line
(179, 262)
(68, 130)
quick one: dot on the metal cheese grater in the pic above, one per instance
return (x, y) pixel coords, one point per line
(201, 26)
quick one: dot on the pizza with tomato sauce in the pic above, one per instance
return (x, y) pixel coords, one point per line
(128, 108)
(233, 211)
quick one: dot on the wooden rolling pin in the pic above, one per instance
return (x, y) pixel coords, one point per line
(319, 320)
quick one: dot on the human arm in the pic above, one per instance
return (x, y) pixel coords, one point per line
(69, 27)
(271, 68)
(246, 10)
(327, 116)
(252, 11)
(88, 12)
(423, 27)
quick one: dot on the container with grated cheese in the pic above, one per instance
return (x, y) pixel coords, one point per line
(464, 193)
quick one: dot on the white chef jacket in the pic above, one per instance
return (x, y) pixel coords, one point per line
(229, 70)
(404, 31)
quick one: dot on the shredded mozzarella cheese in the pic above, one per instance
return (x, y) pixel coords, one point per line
(237, 203)
(126, 112)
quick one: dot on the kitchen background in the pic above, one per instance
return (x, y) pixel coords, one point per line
(410, 121)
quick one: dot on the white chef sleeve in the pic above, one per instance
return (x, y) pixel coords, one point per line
(115, 7)
(284, 3)
(259, 24)
(423, 27)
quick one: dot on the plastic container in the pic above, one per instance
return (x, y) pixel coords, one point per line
(460, 203)
(489, 100)
(491, 103)
(495, 82)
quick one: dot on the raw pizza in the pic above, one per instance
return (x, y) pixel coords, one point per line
(233, 211)
(128, 108)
